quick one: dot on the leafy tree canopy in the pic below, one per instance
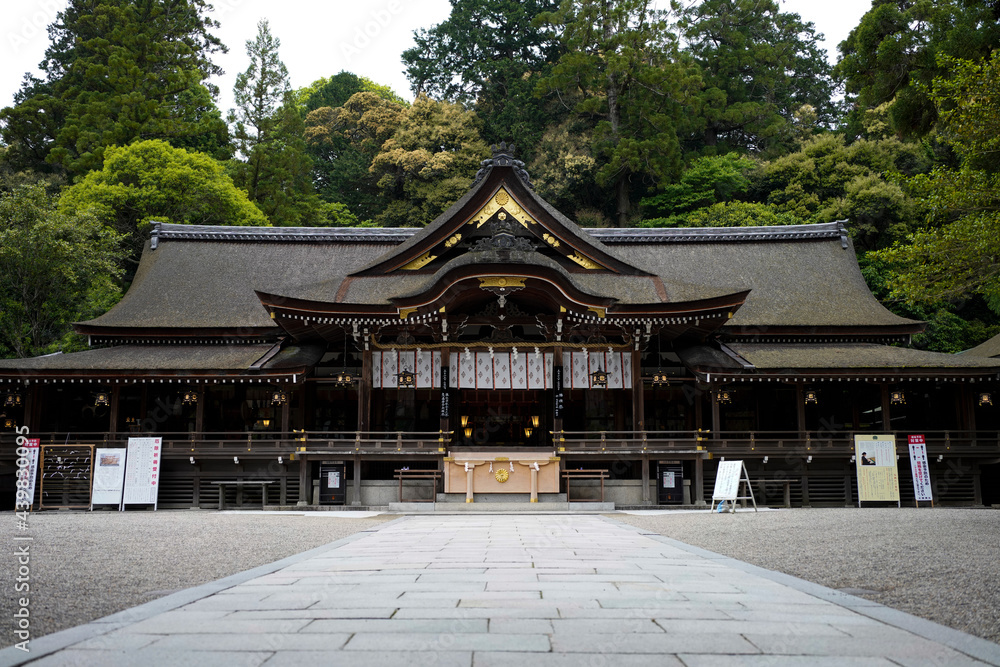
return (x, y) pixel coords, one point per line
(727, 214)
(116, 71)
(760, 66)
(334, 91)
(709, 180)
(621, 72)
(55, 268)
(151, 180)
(891, 56)
(428, 162)
(489, 54)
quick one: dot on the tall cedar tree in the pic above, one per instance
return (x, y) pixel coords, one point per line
(272, 164)
(116, 71)
(891, 56)
(621, 72)
(760, 67)
(489, 54)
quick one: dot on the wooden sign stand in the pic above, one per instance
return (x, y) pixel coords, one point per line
(731, 478)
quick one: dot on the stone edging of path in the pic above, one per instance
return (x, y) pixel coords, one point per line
(57, 641)
(970, 645)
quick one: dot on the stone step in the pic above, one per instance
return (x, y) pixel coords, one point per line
(499, 507)
(459, 498)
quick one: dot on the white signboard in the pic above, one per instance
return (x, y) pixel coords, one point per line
(142, 471)
(727, 480)
(109, 477)
(918, 466)
(28, 473)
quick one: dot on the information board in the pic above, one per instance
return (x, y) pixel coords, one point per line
(109, 477)
(66, 472)
(28, 473)
(727, 480)
(142, 471)
(878, 477)
(918, 466)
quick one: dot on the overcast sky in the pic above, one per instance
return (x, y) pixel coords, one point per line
(322, 37)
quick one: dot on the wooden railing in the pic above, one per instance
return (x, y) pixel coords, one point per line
(724, 443)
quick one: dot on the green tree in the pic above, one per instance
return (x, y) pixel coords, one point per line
(621, 72)
(489, 55)
(863, 183)
(116, 71)
(345, 140)
(564, 171)
(760, 66)
(891, 56)
(334, 92)
(727, 214)
(428, 162)
(55, 268)
(956, 255)
(709, 180)
(151, 180)
(273, 164)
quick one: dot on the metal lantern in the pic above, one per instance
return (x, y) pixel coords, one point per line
(102, 400)
(599, 378)
(343, 379)
(406, 379)
(660, 378)
(190, 397)
(12, 400)
(9, 423)
(279, 397)
(985, 398)
(724, 396)
(897, 397)
(812, 397)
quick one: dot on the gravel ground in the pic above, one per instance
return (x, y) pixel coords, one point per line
(88, 565)
(940, 564)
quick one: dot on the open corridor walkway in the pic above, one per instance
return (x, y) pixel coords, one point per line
(524, 590)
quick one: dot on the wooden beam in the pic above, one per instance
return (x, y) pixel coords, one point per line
(365, 392)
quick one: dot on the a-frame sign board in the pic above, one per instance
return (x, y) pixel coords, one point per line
(730, 476)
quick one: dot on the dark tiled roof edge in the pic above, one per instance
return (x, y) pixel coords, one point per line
(396, 235)
(826, 230)
(163, 231)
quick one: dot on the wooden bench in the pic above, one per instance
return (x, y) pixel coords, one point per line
(585, 474)
(239, 486)
(762, 485)
(433, 475)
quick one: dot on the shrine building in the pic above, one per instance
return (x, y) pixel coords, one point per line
(503, 352)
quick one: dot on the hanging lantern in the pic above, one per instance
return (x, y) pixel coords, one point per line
(897, 397)
(406, 379)
(660, 378)
(599, 378)
(468, 431)
(9, 423)
(102, 400)
(535, 421)
(985, 398)
(343, 379)
(812, 397)
(279, 397)
(12, 400)
(190, 397)
(528, 431)
(724, 396)
(465, 420)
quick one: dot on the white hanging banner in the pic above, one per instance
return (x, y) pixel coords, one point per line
(519, 371)
(142, 471)
(613, 365)
(918, 466)
(501, 371)
(376, 370)
(428, 370)
(484, 370)
(536, 369)
(109, 477)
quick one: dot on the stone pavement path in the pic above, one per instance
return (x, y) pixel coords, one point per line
(529, 590)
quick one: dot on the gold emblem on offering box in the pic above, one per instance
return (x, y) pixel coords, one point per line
(502, 475)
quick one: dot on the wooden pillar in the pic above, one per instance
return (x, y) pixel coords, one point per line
(969, 399)
(645, 478)
(196, 487)
(286, 411)
(557, 422)
(199, 414)
(357, 480)
(716, 417)
(638, 402)
(365, 392)
(800, 409)
(305, 483)
(886, 419)
(699, 481)
(113, 426)
(445, 423)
